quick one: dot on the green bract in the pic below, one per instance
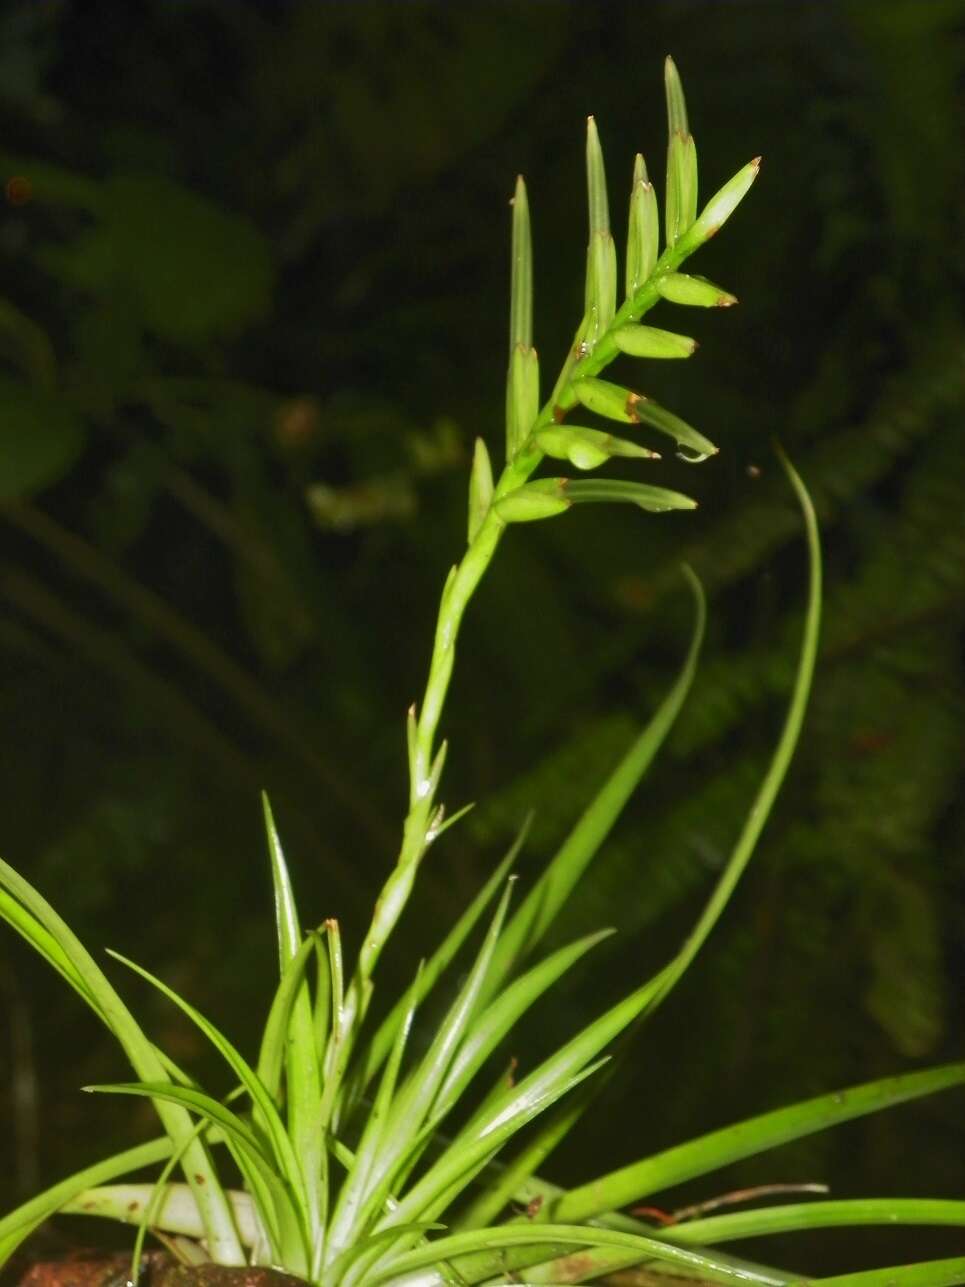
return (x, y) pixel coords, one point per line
(364, 1161)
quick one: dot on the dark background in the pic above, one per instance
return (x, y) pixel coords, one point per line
(255, 267)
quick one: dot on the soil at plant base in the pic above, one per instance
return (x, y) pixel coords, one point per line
(157, 1270)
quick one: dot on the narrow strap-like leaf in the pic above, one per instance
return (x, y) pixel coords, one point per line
(95, 988)
(719, 1148)
(548, 497)
(20, 1223)
(296, 1038)
(927, 1273)
(281, 1145)
(282, 1217)
(502, 1015)
(657, 500)
(404, 1134)
(463, 1159)
(850, 1213)
(452, 1246)
(343, 1228)
(549, 894)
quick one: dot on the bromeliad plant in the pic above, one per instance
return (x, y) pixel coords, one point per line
(361, 1161)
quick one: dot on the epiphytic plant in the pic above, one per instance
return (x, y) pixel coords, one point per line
(365, 1163)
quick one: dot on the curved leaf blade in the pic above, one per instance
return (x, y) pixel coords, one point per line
(544, 901)
(709, 1152)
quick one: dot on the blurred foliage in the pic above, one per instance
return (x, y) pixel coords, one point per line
(255, 273)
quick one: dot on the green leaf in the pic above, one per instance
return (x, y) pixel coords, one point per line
(780, 760)
(321, 1011)
(619, 403)
(480, 488)
(510, 1181)
(407, 1130)
(927, 1273)
(599, 1262)
(221, 1236)
(760, 1221)
(47, 946)
(281, 1216)
(551, 891)
(788, 1217)
(720, 207)
(755, 1135)
(448, 1248)
(601, 259)
(345, 1218)
(681, 288)
(676, 103)
(656, 990)
(20, 1223)
(643, 230)
(657, 500)
(437, 963)
(403, 1135)
(521, 276)
(40, 439)
(607, 399)
(338, 1270)
(532, 502)
(340, 1039)
(548, 497)
(195, 271)
(274, 1048)
(587, 448)
(683, 434)
(478, 1143)
(267, 1114)
(498, 1019)
(295, 1036)
(522, 406)
(522, 380)
(30, 346)
(651, 342)
(681, 187)
(174, 1208)
(681, 195)
(647, 997)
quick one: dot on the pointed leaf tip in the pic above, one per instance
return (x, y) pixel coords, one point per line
(480, 488)
(601, 265)
(643, 230)
(676, 104)
(720, 207)
(680, 288)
